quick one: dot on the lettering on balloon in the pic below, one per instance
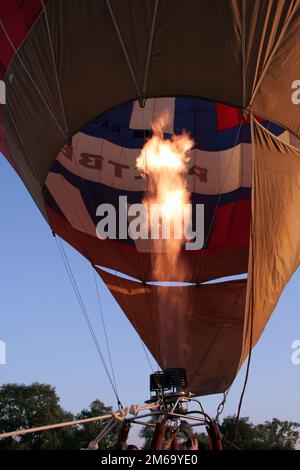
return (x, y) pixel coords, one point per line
(89, 160)
(110, 126)
(97, 162)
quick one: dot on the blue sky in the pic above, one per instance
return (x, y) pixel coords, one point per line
(47, 339)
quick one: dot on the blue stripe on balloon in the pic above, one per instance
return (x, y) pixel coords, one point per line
(196, 116)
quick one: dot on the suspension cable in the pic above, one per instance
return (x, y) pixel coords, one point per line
(105, 330)
(84, 312)
(129, 65)
(147, 64)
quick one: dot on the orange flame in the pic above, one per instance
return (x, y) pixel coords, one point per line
(164, 163)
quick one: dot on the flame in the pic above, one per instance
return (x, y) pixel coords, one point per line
(164, 163)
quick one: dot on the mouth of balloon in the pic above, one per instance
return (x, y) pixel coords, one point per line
(99, 170)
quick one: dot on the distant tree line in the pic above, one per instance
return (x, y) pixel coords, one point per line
(26, 406)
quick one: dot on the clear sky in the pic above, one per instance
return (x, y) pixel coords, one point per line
(47, 339)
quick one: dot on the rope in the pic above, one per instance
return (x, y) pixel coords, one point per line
(22, 432)
(118, 415)
(147, 64)
(85, 314)
(129, 65)
(105, 331)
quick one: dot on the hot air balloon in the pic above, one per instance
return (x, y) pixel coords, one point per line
(86, 79)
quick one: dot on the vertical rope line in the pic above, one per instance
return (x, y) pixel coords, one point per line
(147, 64)
(84, 311)
(129, 65)
(105, 331)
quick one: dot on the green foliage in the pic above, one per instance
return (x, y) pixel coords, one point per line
(146, 433)
(276, 434)
(26, 406)
(271, 435)
(23, 406)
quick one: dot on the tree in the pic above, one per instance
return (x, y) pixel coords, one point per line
(271, 435)
(146, 433)
(25, 406)
(246, 436)
(277, 435)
